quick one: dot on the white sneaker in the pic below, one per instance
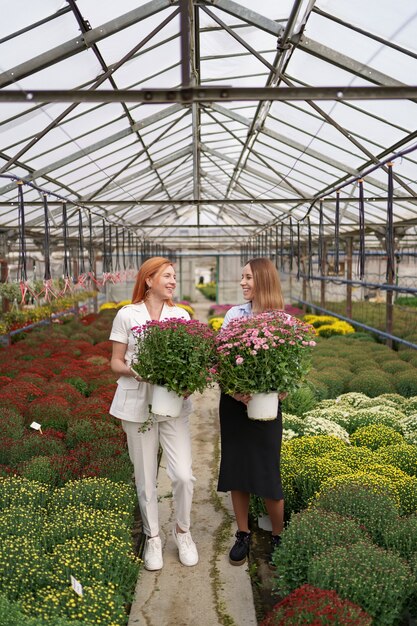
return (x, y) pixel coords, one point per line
(153, 554)
(187, 550)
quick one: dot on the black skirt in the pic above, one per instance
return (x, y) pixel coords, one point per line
(250, 451)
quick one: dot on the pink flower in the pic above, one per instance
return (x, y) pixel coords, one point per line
(244, 343)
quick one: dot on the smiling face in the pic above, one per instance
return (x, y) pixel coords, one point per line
(163, 283)
(247, 284)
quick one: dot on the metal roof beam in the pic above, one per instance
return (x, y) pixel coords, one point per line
(108, 182)
(152, 119)
(345, 63)
(82, 42)
(189, 95)
(272, 80)
(204, 201)
(249, 169)
(246, 15)
(301, 147)
(107, 75)
(132, 177)
(350, 137)
(356, 29)
(165, 161)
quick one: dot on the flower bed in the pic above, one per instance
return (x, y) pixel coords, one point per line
(365, 479)
(373, 314)
(328, 326)
(115, 306)
(311, 605)
(349, 452)
(48, 535)
(52, 526)
(344, 364)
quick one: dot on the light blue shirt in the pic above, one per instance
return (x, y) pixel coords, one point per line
(241, 310)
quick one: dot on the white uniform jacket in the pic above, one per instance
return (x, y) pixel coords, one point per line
(132, 398)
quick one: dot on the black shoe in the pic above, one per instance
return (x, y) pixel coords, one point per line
(239, 552)
(275, 543)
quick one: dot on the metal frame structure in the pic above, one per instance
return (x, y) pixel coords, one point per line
(203, 123)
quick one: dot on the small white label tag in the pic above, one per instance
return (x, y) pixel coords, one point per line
(36, 426)
(78, 588)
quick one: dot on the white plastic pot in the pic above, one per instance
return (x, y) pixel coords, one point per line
(166, 402)
(263, 406)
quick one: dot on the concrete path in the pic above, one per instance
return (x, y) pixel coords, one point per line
(213, 593)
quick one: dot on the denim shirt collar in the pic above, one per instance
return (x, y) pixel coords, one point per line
(245, 309)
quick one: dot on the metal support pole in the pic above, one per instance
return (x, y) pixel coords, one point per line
(349, 255)
(185, 43)
(389, 309)
(95, 299)
(217, 277)
(323, 272)
(304, 284)
(181, 279)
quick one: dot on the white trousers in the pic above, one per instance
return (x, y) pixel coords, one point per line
(174, 437)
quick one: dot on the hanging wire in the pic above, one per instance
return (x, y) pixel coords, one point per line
(389, 237)
(123, 249)
(109, 249)
(310, 251)
(298, 251)
(361, 258)
(90, 244)
(320, 255)
(291, 251)
(22, 267)
(105, 253)
(276, 246)
(137, 254)
(81, 266)
(337, 234)
(46, 241)
(117, 263)
(130, 249)
(281, 250)
(67, 260)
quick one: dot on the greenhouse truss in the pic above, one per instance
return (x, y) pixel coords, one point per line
(202, 126)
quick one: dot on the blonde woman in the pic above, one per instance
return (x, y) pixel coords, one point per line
(250, 449)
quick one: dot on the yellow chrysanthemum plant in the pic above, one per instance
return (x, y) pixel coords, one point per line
(215, 323)
(327, 325)
(187, 308)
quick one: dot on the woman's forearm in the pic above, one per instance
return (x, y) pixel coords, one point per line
(120, 368)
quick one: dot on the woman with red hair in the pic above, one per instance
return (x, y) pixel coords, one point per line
(152, 300)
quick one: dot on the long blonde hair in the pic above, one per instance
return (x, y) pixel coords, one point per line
(151, 268)
(267, 293)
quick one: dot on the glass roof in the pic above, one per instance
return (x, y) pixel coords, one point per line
(206, 175)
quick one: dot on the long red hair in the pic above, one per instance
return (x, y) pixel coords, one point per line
(149, 269)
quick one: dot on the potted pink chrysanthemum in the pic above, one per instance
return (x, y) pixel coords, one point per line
(263, 355)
